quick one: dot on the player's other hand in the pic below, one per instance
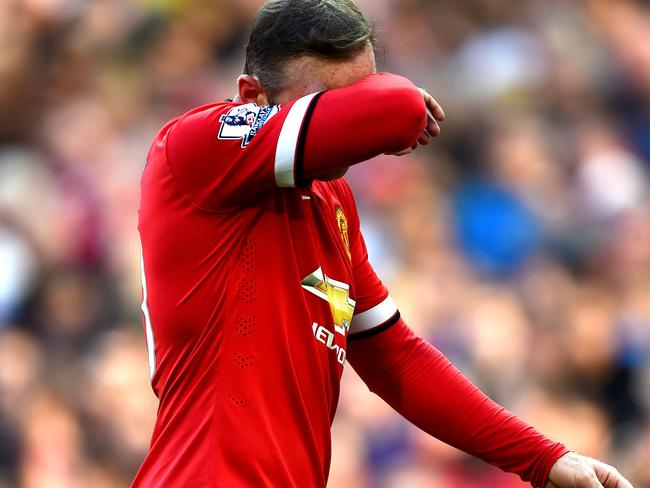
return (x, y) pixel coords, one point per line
(435, 114)
(575, 471)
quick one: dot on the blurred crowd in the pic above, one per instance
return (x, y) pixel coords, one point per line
(518, 242)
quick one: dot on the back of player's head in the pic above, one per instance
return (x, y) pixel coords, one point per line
(286, 29)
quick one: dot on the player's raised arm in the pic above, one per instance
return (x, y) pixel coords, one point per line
(223, 153)
(382, 113)
(308, 105)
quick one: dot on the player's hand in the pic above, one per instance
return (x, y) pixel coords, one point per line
(435, 114)
(575, 471)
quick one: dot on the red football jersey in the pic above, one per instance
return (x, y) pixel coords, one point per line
(254, 274)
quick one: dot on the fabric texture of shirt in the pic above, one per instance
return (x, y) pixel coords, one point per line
(251, 280)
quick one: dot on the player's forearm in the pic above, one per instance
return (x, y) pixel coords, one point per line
(421, 384)
(383, 113)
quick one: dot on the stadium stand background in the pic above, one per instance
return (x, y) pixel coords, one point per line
(518, 242)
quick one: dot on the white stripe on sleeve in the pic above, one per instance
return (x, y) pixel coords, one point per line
(285, 155)
(151, 342)
(374, 316)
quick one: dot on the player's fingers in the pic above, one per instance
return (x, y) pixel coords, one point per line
(435, 109)
(401, 153)
(424, 139)
(610, 477)
(433, 106)
(433, 128)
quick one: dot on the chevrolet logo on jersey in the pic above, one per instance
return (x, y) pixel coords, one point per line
(337, 294)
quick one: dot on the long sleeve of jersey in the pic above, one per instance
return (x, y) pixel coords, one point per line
(224, 155)
(420, 383)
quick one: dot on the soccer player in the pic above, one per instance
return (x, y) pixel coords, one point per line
(256, 283)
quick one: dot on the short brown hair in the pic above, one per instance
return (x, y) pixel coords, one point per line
(286, 29)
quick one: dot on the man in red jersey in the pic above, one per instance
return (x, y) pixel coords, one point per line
(256, 282)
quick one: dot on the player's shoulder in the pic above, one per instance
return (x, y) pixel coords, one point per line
(200, 112)
(230, 121)
(207, 111)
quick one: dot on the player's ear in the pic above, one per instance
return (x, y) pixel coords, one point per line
(250, 90)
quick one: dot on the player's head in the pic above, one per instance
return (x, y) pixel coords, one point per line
(299, 47)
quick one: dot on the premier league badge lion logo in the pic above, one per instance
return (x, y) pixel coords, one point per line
(244, 122)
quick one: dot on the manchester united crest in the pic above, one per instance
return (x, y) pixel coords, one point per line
(342, 222)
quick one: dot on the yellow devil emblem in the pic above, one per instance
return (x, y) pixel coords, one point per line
(337, 294)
